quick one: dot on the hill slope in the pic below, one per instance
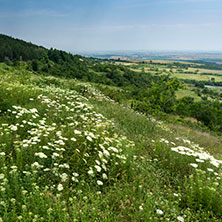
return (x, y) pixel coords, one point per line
(78, 142)
(68, 153)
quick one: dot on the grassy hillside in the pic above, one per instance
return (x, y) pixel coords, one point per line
(69, 153)
(83, 139)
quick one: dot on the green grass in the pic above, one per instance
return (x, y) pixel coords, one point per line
(187, 92)
(68, 153)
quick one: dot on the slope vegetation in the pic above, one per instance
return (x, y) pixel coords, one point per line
(69, 153)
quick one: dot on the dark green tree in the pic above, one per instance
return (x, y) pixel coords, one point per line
(35, 65)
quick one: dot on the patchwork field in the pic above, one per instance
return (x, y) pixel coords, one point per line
(180, 70)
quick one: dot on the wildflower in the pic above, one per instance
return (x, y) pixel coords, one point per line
(2, 154)
(164, 140)
(36, 164)
(106, 153)
(64, 177)
(60, 187)
(54, 155)
(104, 166)
(98, 168)
(46, 170)
(49, 210)
(113, 149)
(100, 183)
(92, 135)
(75, 174)
(90, 172)
(24, 192)
(34, 110)
(215, 163)
(179, 218)
(101, 146)
(2, 189)
(73, 139)
(141, 208)
(26, 172)
(160, 212)
(13, 200)
(41, 155)
(199, 161)
(75, 179)
(19, 217)
(65, 165)
(77, 132)
(194, 165)
(104, 176)
(97, 161)
(2, 203)
(210, 170)
(89, 138)
(2, 176)
(14, 128)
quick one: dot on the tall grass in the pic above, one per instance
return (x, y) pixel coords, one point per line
(68, 153)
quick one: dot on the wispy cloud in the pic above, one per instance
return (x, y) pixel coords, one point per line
(31, 13)
(142, 3)
(192, 1)
(139, 27)
(137, 4)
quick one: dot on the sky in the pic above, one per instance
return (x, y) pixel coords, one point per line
(105, 25)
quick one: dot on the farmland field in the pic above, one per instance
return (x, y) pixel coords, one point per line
(175, 69)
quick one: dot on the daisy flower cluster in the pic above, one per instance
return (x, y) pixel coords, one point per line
(194, 150)
(56, 143)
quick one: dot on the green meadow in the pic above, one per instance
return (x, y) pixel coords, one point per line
(70, 153)
(88, 139)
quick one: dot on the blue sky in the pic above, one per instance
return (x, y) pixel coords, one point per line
(100, 25)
